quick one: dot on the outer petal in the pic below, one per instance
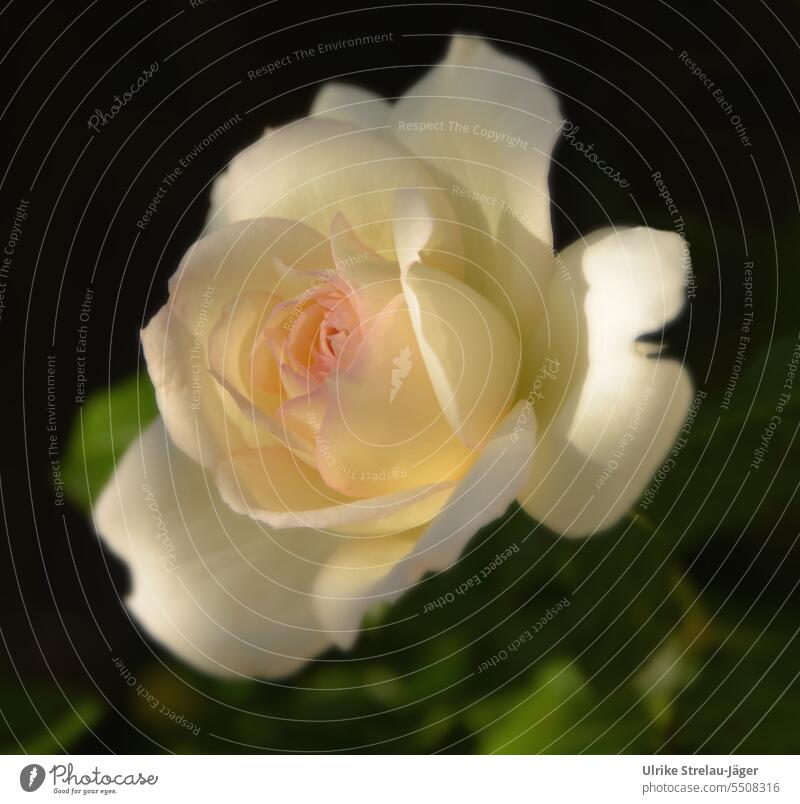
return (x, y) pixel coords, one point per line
(357, 577)
(315, 168)
(246, 257)
(507, 123)
(636, 285)
(264, 255)
(614, 412)
(636, 412)
(216, 588)
(192, 408)
(350, 104)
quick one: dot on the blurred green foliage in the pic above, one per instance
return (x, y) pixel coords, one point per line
(47, 720)
(106, 425)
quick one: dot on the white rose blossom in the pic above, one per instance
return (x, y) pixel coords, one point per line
(372, 353)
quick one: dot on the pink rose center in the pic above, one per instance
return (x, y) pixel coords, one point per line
(307, 334)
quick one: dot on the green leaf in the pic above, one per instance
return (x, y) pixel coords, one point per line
(110, 420)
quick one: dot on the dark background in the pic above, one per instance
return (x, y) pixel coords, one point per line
(682, 633)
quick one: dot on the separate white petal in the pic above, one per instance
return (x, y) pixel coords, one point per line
(635, 411)
(613, 412)
(611, 287)
(216, 588)
(356, 579)
(491, 96)
(636, 284)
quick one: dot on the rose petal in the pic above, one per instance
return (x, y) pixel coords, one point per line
(491, 95)
(635, 411)
(272, 486)
(383, 429)
(266, 255)
(356, 578)
(613, 287)
(218, 589)
(350, 104)
(469, 348)
(235, 349)
(314, 169)
(613, 413)
(345, 588)
(187, 395)
(231, 262)
(636, 284)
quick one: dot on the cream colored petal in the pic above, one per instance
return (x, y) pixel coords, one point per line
(489, 122)
(613, 413)
(383, 428)
(271, 485)
(372, 280)
(345, 588)
(350, 104)
(251, 257)
(315, 168)
(512, 272)
(635, 411)
(236, 353)
(187, 395)
(636, 284)
(470, 351)
(259, 427)
(354, 579)
(218, 589)
(266, 255)
(521, 276)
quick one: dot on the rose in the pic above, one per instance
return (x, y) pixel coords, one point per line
(372, 353)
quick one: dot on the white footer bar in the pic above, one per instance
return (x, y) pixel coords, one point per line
(404, 780)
